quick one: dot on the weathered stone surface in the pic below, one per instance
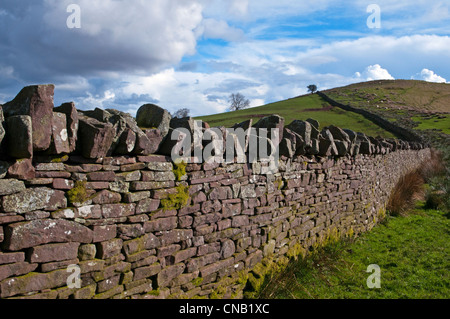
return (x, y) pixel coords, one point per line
(37, 102)
(269, 123)
(166, 275)
(16, 269)
(33, 282)
(11, 186)
(53, 252)
(60, 137)
(303, 129)
(19, 136)
(34, 199)
(126, 142)
(104, 233)
(10, 258)
(161, 224)
(87, 252)
(152, 116)
(110, 248)
(106, 176)
(147, 205)
(118, 210)
(94, 137)
(42, 231)
(106, 197)
(72, 123)
(155, 138)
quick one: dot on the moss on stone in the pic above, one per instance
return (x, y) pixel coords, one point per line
(179, 169)
(177, 200)
(197, 281)
(79, 193)
(62, 159)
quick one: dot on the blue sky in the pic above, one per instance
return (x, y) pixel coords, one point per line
(195, 53)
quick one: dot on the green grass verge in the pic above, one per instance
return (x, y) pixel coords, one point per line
(412, 252)
(301, 108)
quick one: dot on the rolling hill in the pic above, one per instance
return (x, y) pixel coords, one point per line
(421, 106)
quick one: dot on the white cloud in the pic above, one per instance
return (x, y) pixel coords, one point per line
(374, 72)
(215, 29)
(430, 76)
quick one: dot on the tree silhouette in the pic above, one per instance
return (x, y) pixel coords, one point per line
(238, 102)
(312, 88)
(184, 112)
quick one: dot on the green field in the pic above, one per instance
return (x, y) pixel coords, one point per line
(301, 108)
(412, 252)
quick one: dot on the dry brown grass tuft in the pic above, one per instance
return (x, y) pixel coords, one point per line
(435, 166)
(408, 190)
(411, 187)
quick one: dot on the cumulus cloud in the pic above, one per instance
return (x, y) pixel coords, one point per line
(430, 76)
(119, 35)
(374, 72)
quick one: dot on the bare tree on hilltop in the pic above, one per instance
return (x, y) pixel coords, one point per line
(184, 112)
(238, 102)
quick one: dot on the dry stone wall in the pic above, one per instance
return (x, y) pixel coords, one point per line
(137, 225)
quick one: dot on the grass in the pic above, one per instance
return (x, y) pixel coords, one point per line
(412, 253)
(411, 95)
(301, 108)
(439, 122)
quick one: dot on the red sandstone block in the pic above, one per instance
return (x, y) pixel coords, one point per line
(110, 248)
(60, 183)
(104, 233)
(16, 269)
(53, 252)
(161, 224)
(97, 185)
(132, 167)
(9, 258)
(53, 174)
(11, 219)
(107, 176)
(118, 210)
(106, 197)
(147, 205)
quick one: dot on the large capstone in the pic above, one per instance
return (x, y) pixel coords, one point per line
(37, 102)
(153, 116)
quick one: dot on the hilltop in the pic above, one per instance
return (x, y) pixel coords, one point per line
(423, 107)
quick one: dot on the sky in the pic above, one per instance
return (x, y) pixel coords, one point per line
(194, 53)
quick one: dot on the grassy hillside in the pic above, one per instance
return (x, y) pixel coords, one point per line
(404, 95)
(301, 108)
(421, 106)
(418, 105)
